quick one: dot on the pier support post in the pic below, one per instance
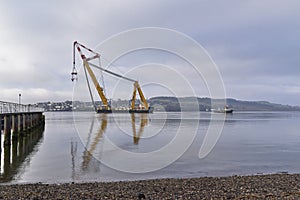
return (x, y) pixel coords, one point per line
(14, 156)
(30, 121)
(24, 122)
(21, 147)
(20, 124)
(7, 129)
(6, 159)
(33, 117)
(15, 127)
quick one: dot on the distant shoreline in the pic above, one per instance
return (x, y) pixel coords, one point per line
(173, 104)
(274, 186)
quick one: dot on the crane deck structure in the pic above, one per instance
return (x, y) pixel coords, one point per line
(106, 107)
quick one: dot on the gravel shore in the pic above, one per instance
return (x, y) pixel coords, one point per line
(276, 186)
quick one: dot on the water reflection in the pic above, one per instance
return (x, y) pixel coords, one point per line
(73, 155)
(90, 147)
(143, 123)
(250, 143)
(138, 123)
(15, 155)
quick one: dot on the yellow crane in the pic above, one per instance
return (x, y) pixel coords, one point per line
(106, 108)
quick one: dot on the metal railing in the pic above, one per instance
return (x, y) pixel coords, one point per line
(9, 107)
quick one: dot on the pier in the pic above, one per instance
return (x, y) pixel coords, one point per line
(17, 120)
(18, 123)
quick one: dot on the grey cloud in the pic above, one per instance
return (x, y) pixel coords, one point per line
(254, 43)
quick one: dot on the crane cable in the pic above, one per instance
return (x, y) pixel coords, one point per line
(112, 73)
(102, 78)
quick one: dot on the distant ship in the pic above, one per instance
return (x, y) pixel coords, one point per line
(226, 109)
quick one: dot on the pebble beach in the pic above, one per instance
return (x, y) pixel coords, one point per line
(275, 186)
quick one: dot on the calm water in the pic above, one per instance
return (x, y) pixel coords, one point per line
(85, 146)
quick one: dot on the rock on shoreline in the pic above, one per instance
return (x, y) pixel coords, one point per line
(275, 186)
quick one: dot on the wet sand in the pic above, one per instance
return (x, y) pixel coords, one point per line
(275, 186)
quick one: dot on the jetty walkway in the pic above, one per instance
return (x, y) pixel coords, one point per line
(18, 119)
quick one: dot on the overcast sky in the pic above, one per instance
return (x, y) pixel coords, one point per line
(255, 44)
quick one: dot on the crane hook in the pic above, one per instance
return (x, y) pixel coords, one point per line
(74, 74)
(74, 71)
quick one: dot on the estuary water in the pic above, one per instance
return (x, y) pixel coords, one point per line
(87, 147)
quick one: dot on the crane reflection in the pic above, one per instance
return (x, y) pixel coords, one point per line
(138, 123)
(88, 153)
(143, 122)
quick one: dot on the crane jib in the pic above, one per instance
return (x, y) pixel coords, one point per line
(112, 73)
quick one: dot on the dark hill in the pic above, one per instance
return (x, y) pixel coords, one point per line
(190, 103)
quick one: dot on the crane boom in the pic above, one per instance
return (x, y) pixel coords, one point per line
(98, 87)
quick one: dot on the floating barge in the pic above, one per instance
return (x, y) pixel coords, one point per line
(137, 110)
